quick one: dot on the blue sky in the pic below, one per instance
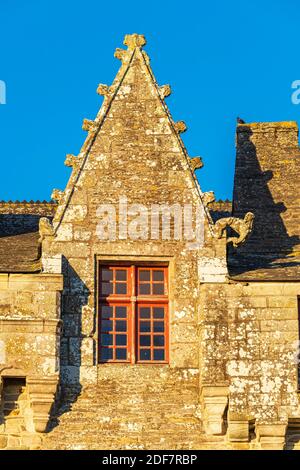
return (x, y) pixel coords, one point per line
(222, 59)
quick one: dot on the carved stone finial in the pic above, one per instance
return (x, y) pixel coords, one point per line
(134, 40)
(209, 197)
(242, 227)
(164, 91)
(88, 125)
(70, 160)
(45, 228)
(57, 195)
(196, 163)
(103, 90)
(180, 127)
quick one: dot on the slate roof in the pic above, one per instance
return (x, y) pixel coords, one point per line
(19, 235)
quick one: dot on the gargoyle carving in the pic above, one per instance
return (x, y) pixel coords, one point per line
(180, 127)
(164, 91)
(209, 197)
(45, 228)
(57, 195)
(196, 163)
(243, 227)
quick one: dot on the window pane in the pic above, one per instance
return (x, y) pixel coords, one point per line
(121, 312)
(159, 326)
(159, 355)
(121, 325)
(145, 312)
(106, 274)
(106, 288)
(144, 289)
(106, 354)
(106, 340)
(158, 275)
(121, 340)
(106, 325)
(121, 288)
(121, 354)
(158, 312)
(121, 275)
(106, 311)
(158, 340)
(144, 326)
(145, 355)
(145, 340)
(144, 275)
(158, 289)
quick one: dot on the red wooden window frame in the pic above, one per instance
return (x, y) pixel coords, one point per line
(143, 287)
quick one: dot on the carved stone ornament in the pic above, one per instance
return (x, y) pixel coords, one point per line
(57, 195)
(88, 125)
(180, 127)
(164, 91)
(134, 40)
(103, 90)
(196, 163)
(209, 197)
(45, 228)
(70, 160)
(243, 227)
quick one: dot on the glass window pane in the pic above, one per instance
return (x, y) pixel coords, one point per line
(145, 354)
(158, 275)
(144, 275)
(158, 340)
(121, 275)
(106, 354)
(159, 355)
(106, 325)
(121, 354)
(158, 289)
(145, 326)
(158, 312)
(121, 312)
(121, 340)
(106, 340)
(106, 274)
(144, 289)
(106, 311)
(121, 288)
(159, 326)
(145, 340)
(145, 312)
(121, 325)
(106, 288)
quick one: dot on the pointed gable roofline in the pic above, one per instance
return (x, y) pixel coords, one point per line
(134, 43)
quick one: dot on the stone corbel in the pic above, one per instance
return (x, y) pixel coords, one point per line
(243, 227)
(42, 395)
(164, 91)
(180, 127)
(271, 436)
(238, 427)
(214, 400)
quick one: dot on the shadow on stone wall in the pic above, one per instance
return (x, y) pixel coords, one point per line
(74, 297)
(269, 241)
